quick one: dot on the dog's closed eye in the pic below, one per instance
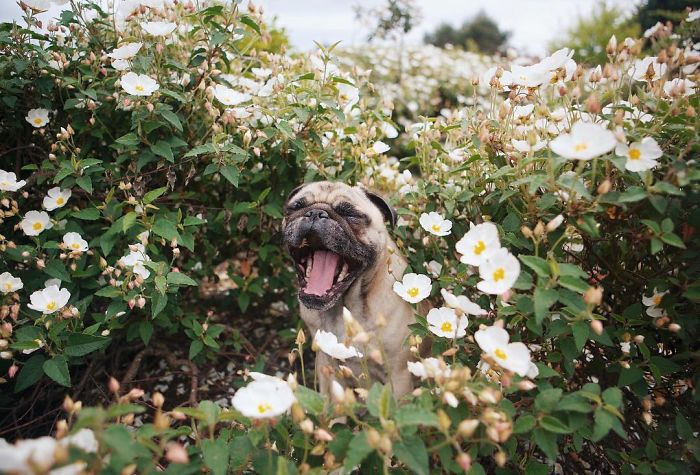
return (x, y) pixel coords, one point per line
(296, 205)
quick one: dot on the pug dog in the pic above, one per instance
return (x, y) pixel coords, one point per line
(337, 236)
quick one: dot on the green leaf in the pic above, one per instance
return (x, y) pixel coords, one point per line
(358, 450)
(581, 330)
(413, 453)
(57, 270)
(629, 376)
(201, 149)
(547, 442)
(172, 117)
(632, 194)
(195, 348)
(539, 265)
(85, 182)
(57, 369)
(524, 423)
(109, 291)
(613, 396)
(544, 299)
(30, 373)
(164, 228)
(672, 239)
(231, 174)
(163, 149)
(80, 344)
(573, 283)
(87, 214)
(129, 140)
(161, 284)
(547, 400)
(552, 424)
(413, 415)
(249, 22)
(216, 454)
(145, 331)
(153, 194)
(178, 278)
(311, 401)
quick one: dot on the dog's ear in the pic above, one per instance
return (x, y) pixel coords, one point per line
(387, 211)
(294, 192)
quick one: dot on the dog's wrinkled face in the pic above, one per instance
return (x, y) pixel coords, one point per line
(334, 233)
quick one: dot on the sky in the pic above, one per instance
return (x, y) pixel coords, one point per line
(532, 23)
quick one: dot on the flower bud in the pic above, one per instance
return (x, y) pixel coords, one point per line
(464, 461)
(467, 427)
(113, 385)
(674, 327)
(593, 296)
(158, 399)
(597, 327)
(176, 453)
(444, 421)
(307, 426)
(554, 223)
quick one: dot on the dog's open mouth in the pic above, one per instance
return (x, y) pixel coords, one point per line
(323, 274)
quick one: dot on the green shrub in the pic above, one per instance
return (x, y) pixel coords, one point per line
(581, 333)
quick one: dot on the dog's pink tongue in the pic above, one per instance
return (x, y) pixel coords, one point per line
(323, 268)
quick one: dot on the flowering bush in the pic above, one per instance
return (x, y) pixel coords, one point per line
(550, 224)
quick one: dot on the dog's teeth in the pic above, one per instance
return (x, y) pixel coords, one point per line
(343, 273)
(309, 264)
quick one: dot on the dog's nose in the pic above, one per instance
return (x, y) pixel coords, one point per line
(315, 214)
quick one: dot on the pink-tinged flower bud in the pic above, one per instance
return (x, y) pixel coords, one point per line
(135, 393)
(526, 385)
(159, 48)
(464, 461)
(131, 303)
(597, 327)
(323, 435)
(307, 426)
(12, 371)
(150, 107)
(178, 416)
(674, 327)
(158, 399)
(141, 302)
(554, 223)
(113, 385)
(467, 427)
(176, 453)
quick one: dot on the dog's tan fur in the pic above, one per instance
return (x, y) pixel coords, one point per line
(370, 298)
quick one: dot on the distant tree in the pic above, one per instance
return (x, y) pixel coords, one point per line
(652, 11)
(479, 33)
(393, 19)
(589, 36)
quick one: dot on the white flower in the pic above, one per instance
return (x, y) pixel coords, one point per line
(262, 73)
(263, 398)
(135, 259)
(584, 142)
(478, 244)
(434, 267)
(413, 287)
(120, 64)
(50, 282)
(524, 146)
(444, 322)
(158, 28)
(499, 272)
(35, 222)
(380, 147)
(28, 456)
(625, 346)
(450, 399)
(389, 130)
(228, 96)
(8, 181)
(126, 51)
(513, 357)
(641, 155)
(640, 69)
(329, 344)
(435, 224)
(348, 96)
(429, 368)
(337, 392)
(38, 5)
(457, 155)
(49, 300)
(38, 117)
(679, 86)
(533, 371)
(56, 198)
(652, 303)
(8, 283)
(74, 242)
(526, 76)
(76, 468)
(461, 302)
(693, 16)
(139, 84)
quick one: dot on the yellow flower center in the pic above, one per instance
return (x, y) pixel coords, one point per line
(139, 88)
(37, 226)
(436, 228)
(412, 292)
(500, 354)
(8, 286)
(634, 154)
(60, 200)
(499, 274)
(446, 327)
(51, 306)
(657, 299)
(479, 248)
(580, 147)
(75, 245)
(38, 121)
(264, 407)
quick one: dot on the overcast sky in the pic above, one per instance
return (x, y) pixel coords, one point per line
(532, 23)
